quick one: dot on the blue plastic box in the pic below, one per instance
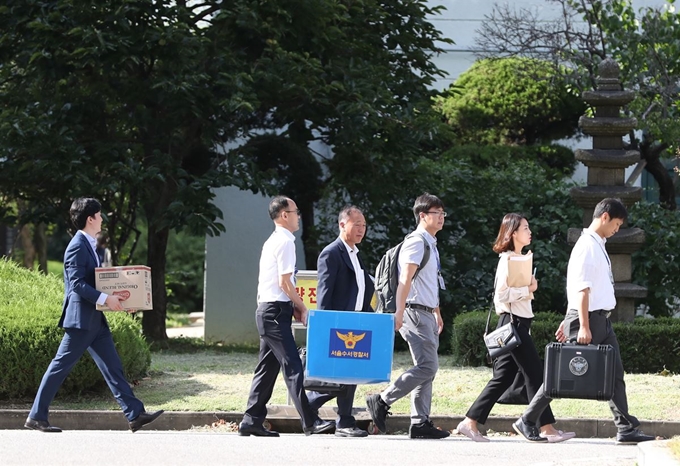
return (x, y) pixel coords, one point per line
(349, 347)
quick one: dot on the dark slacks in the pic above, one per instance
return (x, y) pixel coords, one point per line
(524, 358)
(603, 334)
(345, 402)
(99, 343)
(277, 351)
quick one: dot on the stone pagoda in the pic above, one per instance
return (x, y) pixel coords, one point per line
(607, 162)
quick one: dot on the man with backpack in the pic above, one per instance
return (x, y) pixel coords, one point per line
(416, 316)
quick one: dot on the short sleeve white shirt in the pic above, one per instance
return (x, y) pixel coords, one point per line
(277, 258)
(425, 288)
(590, 267)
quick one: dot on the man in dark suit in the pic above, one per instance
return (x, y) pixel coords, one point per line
(344, 285)
(85, 327)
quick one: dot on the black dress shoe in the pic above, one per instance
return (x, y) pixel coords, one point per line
(528, 431)
(144, 419)
(426, 430)
(350, 432)
(246, 430)
(42, 426)
(320, 427)
(632, 437)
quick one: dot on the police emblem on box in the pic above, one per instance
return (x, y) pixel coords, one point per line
(350, 344)
(349, 347)
(578, 366)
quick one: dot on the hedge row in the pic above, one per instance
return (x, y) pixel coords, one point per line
(647, 345)
(30, 307)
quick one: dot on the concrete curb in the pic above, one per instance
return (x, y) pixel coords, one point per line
(285, 419)
(656, 454)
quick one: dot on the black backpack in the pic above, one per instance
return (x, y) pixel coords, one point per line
(387, 276)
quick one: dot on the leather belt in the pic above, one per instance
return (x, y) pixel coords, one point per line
(604, 312)
(420, 307)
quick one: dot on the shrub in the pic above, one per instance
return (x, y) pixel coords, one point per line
(468, 347)
(647, 345)
(30, 307)
(511, 101)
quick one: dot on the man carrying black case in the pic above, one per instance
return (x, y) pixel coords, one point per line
(590, 294)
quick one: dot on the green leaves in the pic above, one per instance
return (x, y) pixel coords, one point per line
(511, 101)
(655, 265)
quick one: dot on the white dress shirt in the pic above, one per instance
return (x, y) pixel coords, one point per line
(359, 273)
(277, 258)
(590, 267)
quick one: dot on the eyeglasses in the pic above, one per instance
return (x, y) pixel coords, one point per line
(441, 214)
(297, 211)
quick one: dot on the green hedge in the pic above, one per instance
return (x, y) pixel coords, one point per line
(30, 307)
(647, 345)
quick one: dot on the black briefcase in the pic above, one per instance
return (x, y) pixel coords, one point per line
(579, 371)
(318, 385)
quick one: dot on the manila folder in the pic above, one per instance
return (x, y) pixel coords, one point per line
(519, 270)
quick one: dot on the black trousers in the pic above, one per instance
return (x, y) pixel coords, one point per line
(345, 404)
(524, 358)
(278, 351)
(603, 334)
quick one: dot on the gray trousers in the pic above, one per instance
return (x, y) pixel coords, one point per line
(421, 333)
(603, 334)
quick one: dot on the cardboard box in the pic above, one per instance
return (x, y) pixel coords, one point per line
(349, 347)
(132, 282)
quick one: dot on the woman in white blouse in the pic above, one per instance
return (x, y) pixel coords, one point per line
(514, 235)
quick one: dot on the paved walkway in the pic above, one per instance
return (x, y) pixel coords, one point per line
(194, 331)
(113, 448)
(179, 429)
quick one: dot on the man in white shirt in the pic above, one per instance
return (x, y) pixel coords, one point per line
(590, 295)
(277, 303)
(419, 321)
(343, 285)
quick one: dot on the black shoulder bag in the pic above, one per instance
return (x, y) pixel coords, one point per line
(504, 339)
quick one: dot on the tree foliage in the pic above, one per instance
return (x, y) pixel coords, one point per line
(511, 101)
(654, 264)
(476, 198)
(149, 105)
(557, 161)
(583, 34)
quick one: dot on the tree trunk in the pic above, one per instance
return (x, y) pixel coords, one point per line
(26, 238)
(652, 155)
(309, 240)
(153, 322)
(40, 243)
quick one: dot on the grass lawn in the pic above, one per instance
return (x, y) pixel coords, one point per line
(210, 380)
(173, 320)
